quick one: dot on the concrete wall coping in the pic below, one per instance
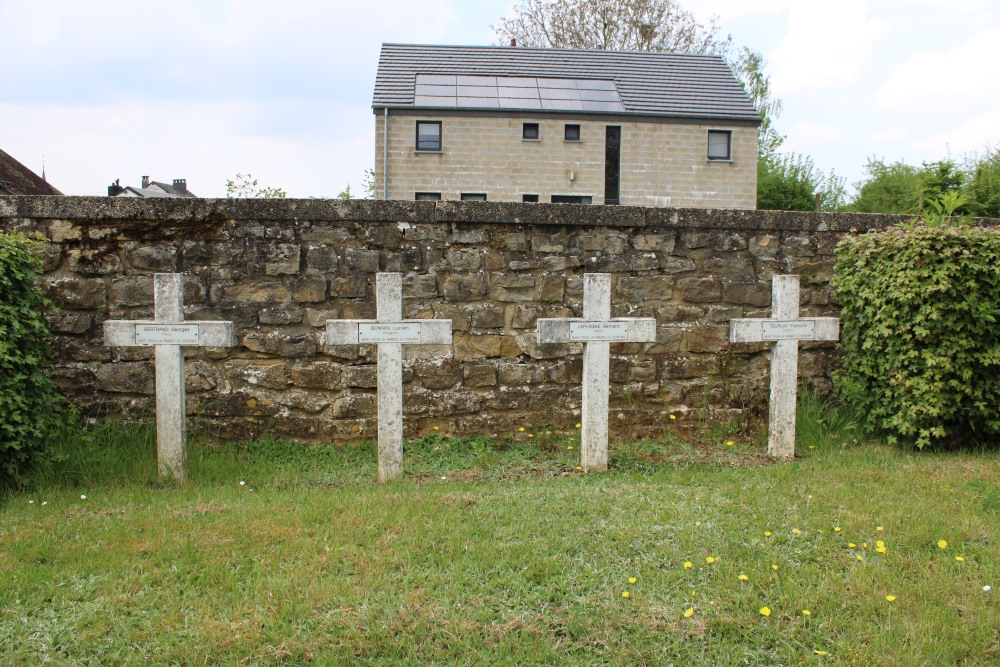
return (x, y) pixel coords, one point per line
(91, 211)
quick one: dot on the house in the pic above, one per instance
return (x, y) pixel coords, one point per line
(152, 189)
(16, 179)
(562, 126)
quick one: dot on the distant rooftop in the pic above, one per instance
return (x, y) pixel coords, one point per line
(152, 189)
(16, 179)
(678, 85)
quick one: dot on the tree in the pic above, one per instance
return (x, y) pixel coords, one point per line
(244, 186)
(791, 182)
(983, 188)
(903, 188)
(620, 25)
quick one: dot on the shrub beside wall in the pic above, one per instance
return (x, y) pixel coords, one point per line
(26, 394)
(920, 331)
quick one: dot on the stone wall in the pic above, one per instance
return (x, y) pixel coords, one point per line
(662, 164)
(280, 268)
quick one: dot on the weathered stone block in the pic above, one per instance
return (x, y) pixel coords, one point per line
(463, 287)
(132, 291)
(656, 242)
(550, 288)
(505, 287)
(321, 259)
(797, 246)
(162, 259)
(469, 236)
(256, 373)
(364, 261)
(707, 338)
(469, 346)
(419, 286)
(253, 292)
(282, 259)
(692, 240)
(324, 375)
(93, 262)
(728, 242)
(518, 374)
(284, 314)
(479, 375)
(646, 288)
(460, 315)
(750, 294)
(517, 242)
(524, 317)
(352, 287)
(125, 378)
(569, 371)
(384, 235)
(488, 316)
(309, 290)
(74, 293)
(70, 323)
(363, 377)
(301, 345)
(700, 290)
(61, 231)
(439, 374)
(550, 242)
(464, 259)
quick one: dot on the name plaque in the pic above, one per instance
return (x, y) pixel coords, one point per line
(789, 330)
(166, 334)
(598, 331)
(388, 332)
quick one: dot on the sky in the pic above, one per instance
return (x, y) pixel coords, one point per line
(206, 89)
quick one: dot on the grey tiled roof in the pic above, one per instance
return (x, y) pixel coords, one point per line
(652, 84)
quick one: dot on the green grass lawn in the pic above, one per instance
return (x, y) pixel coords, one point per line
(501, 552)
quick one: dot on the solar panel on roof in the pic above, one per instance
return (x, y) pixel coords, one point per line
(516, 93)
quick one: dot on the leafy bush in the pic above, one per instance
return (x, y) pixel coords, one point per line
(919, 330)
(26, 394)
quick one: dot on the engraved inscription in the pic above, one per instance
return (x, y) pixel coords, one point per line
(789, 330)
(388, 332)
(166, 334)
(598, 331)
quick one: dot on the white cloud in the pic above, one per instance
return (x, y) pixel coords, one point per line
(826, 45)
(891, 135)
(973, 135)
(806, 133)
(961, 78)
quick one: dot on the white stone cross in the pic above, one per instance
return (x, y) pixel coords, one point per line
(786, 329)
(596, 330)
(167, 333)
(389, 331)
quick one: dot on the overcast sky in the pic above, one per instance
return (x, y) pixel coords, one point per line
(203, 89)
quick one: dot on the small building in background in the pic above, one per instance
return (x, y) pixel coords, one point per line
(152, 189)
(563, 126)
(16, 179)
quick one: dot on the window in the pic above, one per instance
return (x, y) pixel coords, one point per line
(530, 132)
(612, 164)
(571, 199)
(428, 135)
(572, 133)
(720, 145)
(427, 196)
(473, 196)
(531, 199)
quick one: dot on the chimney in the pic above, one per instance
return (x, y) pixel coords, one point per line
(145, 182)
(181, 185)
(114, 189)
(513, 42)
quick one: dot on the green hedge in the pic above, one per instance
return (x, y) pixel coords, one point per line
(28, 400)
(921, 331)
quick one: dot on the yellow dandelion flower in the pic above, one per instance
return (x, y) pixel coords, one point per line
(796, 531)
(729, 443)
(851, 545)
(743, 577)
(959, 558)
(437, 428)
(632, 580)
(765, 611)
(673, 417)
(767, 533)
(864, 545)
(774, 567)
(879, 528)
(710, 560)
(806, 612)
(881, 549)
(836, 529)
(579, 467)
(521, 429)
(531, 435)
(697, 523)
(860, 557)
(689, 612)
(578, 425)
(820, 653)
(626, 594)
(890, 598)
(688, 565)
(942, 544)
(569, 447)
(879, 543)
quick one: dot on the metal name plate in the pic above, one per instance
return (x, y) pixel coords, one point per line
(789, 330)
(388, 332)
(166, 334)
(598, 331)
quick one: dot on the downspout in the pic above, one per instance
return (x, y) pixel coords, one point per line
(385, 156)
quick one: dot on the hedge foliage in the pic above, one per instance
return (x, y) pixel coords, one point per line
(28, 399)
(920, 331)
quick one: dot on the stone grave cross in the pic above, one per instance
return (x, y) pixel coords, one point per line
(389, 331)
(596, 330)
(167, 333)
(786, 329)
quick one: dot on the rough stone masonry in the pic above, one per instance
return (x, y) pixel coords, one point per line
(279, 269)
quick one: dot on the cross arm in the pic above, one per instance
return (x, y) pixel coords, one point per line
(200, 333)
(558, 329)
(762, 329)
(428, 332)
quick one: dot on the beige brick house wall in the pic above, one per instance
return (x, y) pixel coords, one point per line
(661, 164)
